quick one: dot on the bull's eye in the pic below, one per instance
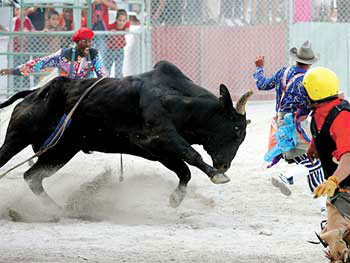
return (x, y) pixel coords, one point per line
(236, 128)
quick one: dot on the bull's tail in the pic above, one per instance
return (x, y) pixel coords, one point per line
(18, 95)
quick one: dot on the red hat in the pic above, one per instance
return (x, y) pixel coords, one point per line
(82, 33)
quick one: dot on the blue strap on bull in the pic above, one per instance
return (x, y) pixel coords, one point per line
(53, 134)
(286, 137)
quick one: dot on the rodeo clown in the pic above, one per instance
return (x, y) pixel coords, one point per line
(77, 62)
(330, 127)
(291, 99)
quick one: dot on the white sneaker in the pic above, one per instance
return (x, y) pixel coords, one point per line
(281, 184)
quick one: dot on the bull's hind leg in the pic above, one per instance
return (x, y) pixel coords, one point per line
(13, 144)
(47, 164)
(183, 173)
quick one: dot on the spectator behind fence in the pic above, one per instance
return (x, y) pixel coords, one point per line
(193, 12)
(269, 11)
(52, 42)
(211, 11)
(78, 62)
(84, 17)
(226, 12)
(66, 22)
(116, 44)
(234, 12)
(19, 59)
(253, 7)
(262, 14)
(167, 12)
(277, 8)
(27, 27)
(100, 20)
(37, 16)
(324, 11)
(133, 18)
(66, 19)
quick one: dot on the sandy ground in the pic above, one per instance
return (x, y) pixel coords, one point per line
(246, 220)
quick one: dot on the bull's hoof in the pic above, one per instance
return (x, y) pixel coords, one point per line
(176, 198)
(220, 179)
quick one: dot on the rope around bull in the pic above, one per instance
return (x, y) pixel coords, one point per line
(58, 132)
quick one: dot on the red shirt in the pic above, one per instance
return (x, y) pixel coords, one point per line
(62, 23)
(118, 41)
(340, 128)
(83, 21)
(27, 26)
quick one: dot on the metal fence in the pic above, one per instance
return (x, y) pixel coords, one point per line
(33, 39)
(217, 41)
(212, 41)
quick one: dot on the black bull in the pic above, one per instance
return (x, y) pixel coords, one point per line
(157, 115)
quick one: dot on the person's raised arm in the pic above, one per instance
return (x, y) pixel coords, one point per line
(262, 82)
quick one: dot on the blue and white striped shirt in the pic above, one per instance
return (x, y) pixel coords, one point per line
(295, 95)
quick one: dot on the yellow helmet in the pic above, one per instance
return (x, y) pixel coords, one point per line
(321, 84)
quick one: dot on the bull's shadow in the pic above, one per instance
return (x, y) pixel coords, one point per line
(156, 115)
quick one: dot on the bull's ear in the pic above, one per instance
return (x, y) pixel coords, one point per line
(225, 98)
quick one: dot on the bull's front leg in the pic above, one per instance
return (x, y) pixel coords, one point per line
(167, 142)
(192, 157)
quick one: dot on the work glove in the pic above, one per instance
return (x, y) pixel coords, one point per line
(327, 188)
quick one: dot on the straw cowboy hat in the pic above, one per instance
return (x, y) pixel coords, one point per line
(304, 54)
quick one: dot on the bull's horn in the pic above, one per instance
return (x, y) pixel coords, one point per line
(240, 105)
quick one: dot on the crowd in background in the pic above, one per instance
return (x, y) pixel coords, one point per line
(106, 16)
(198, 12)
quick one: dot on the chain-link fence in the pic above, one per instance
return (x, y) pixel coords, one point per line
(211, 41)
(216, 41)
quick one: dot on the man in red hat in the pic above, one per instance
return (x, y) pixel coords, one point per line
(77, 62)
